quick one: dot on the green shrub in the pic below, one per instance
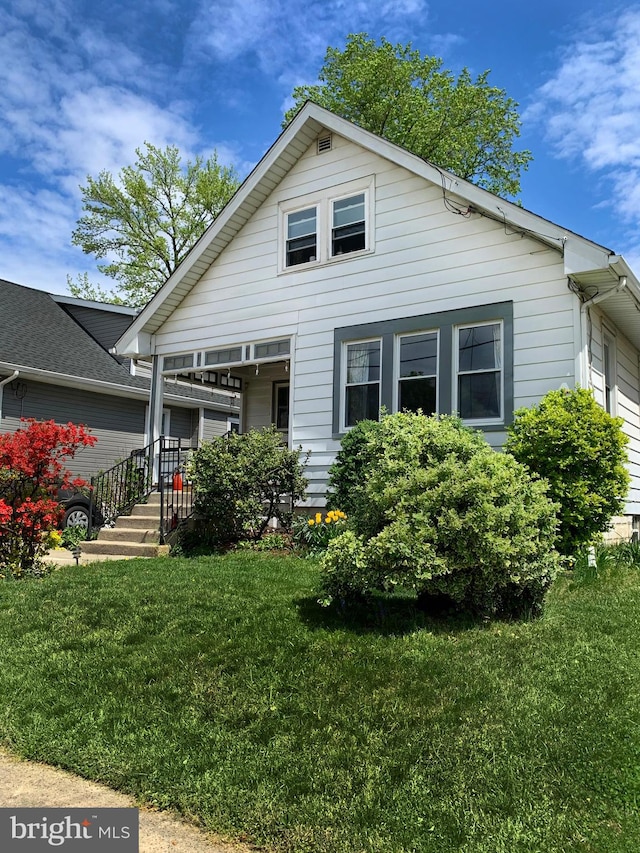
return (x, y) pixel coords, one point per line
(441, 513)
(580, 450)
(355, 457)
(242, 481)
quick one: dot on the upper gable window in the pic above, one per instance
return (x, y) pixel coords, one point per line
(324, 227)
(348, 233)
(302, 236)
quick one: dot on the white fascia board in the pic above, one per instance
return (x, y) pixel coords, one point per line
(580, 256)
(133, 344)
(583, 250)
(48, 377)
(192, 403)
(128, 340)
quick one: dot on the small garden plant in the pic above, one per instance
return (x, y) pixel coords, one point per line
(314, 534)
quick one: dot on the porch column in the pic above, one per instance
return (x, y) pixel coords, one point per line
(154, 427)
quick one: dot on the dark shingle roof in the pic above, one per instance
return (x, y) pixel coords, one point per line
(37, 333)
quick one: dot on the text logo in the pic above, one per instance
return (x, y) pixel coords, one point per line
(69, 830)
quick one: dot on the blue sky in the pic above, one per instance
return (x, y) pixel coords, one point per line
(82, 84)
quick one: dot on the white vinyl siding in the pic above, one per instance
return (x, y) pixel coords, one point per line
(624, 382)
(426, 260)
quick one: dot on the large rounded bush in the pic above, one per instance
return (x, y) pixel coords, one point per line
(441, 513)
(242, 481)
(579, 449)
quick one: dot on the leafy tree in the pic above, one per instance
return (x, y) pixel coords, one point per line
(464, 125)
(146, 220)
(32, 469)
(580, 450)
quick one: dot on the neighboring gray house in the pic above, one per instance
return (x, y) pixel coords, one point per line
(347, 273)
(55, 364)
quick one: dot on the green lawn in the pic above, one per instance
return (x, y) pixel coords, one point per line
(217, 687)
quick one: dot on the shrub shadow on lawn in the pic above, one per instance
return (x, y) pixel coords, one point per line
(384, 615)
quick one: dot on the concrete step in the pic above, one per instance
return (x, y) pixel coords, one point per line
(145, 511)
(124, 549)
(128, 534)
(136, 522)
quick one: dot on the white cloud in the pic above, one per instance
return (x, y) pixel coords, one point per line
(284, 41)
(74, 100)
(590, 109)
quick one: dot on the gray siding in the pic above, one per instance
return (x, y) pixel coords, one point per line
(105, 326)
(118, 422)
(214, 424)
(184, 425)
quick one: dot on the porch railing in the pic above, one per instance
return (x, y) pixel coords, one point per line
(116, 491)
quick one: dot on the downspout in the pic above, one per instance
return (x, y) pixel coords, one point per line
(4, 382)
(584, 310)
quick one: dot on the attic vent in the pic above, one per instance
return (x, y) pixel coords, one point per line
(324, 144)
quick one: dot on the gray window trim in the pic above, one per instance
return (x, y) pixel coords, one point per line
(446, 322)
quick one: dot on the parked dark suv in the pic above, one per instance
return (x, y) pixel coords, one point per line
(76, 509)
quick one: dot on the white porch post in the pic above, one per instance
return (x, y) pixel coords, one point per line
(154, 427)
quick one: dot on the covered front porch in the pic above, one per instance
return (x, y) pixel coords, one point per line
(256, 375)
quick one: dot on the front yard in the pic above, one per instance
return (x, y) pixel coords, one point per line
(218, 688)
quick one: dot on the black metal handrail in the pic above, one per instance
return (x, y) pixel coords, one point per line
(176, 503)
(116, 491)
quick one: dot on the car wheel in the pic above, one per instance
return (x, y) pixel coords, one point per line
(76, 516)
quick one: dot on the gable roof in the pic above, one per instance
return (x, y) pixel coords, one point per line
(44, 342)
(580, 254)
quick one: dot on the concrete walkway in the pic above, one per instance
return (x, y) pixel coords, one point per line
(27, 784)
(63, 557)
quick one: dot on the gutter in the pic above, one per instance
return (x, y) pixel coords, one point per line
(4, 382)
(97, 385)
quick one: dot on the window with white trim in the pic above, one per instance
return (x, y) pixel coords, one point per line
(479, 371)
(361, 381)
(348, 232)
(325, 227)
(417, 360)
(302, 237)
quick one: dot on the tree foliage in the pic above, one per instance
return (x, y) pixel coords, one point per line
(579, 449)
(438, 511)
(242, 481)
(32, 469)
(144, 221)
(464, 125)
